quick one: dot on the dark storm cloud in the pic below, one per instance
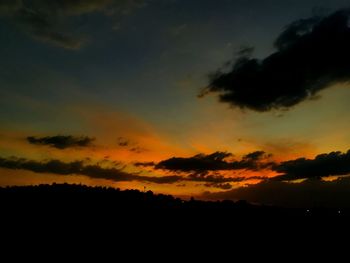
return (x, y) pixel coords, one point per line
(311, 193)
(324, 165)
(80, 168)
(312, 54)
(50, 20)
(61, 142)
(202, 163)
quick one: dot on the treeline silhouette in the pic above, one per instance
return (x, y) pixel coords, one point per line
(60, 199)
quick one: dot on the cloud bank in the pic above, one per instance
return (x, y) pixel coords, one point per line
(312, 54)
(217, 161)
(96, 171)
(323, 165)
(114, 174)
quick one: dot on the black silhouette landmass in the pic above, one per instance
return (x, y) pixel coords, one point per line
(72, 200)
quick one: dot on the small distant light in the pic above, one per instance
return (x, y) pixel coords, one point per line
(308, 211)
(339, 212)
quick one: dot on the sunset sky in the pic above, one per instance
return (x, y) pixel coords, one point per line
(215, 99)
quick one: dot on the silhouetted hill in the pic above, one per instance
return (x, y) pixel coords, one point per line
(61, 199)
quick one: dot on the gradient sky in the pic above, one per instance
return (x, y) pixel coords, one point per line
(128, 74)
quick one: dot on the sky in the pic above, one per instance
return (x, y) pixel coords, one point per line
(225, 99)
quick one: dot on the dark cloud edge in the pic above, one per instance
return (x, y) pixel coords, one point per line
(217, 161)
(311, 55)
(61, 141)
(114, 174)
(323, 165)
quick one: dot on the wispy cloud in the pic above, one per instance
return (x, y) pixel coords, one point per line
(50, 21)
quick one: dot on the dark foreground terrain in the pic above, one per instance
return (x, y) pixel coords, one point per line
(65, 200)
(74, 215)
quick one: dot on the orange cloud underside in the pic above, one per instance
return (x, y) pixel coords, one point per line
(153, 146)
